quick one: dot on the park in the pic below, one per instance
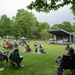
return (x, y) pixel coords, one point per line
(35, 64)
(53, 37)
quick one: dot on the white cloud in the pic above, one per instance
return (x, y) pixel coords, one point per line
(10, 7)
(62, 14)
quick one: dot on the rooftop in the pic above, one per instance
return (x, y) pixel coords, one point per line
(59, 32)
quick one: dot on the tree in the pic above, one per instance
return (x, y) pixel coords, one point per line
(43, 28)
(1, 28)
(73, 26)
(55, 26)
(25, 23)
(5, 25)
(65, 25)
(48, 5)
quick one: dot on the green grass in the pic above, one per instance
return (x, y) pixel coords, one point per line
(36, 64)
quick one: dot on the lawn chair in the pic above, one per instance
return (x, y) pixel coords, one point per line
(68, 64)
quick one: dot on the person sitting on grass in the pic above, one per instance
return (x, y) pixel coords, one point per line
(25, 49)
(4, 45)
(36, 50)
(28, 49)
(4, 55)
(10, 46)
(42, 50)
(15, 45)
(15, 58)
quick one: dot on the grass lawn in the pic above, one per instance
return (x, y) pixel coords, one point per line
(36, 64)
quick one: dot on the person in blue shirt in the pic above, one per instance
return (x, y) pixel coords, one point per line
(42, 50)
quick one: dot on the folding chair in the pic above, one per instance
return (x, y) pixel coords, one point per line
(68, 64)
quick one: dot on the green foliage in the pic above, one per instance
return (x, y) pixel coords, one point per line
(73, 27)
(25, 23)
(43, 27)
(55, 26)
(65, 25)
(5, 25)
(48, 5)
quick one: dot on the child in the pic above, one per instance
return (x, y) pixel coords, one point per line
(36, 50)
(58, 60)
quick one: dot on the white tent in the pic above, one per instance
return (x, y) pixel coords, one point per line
(23, 38)
(0, 38)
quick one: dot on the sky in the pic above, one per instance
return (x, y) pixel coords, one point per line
(10, 7)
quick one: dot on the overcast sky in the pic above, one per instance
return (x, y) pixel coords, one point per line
(10, 7)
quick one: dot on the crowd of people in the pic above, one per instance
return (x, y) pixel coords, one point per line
(15, 59)
(38, 49)
(8, 45)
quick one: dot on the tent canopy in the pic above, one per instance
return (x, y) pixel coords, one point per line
(0, 38)
(23, 38)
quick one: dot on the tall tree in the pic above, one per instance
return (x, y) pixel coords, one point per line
(48, 5)
(5, 25)
(25, 23)
(65, 25)
(43, 28)
(55, 26)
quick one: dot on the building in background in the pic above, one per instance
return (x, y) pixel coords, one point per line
(61, 36)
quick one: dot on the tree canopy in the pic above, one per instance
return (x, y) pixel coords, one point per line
(25, 23)
(65, 25)
(48, 5)
(5, 28)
